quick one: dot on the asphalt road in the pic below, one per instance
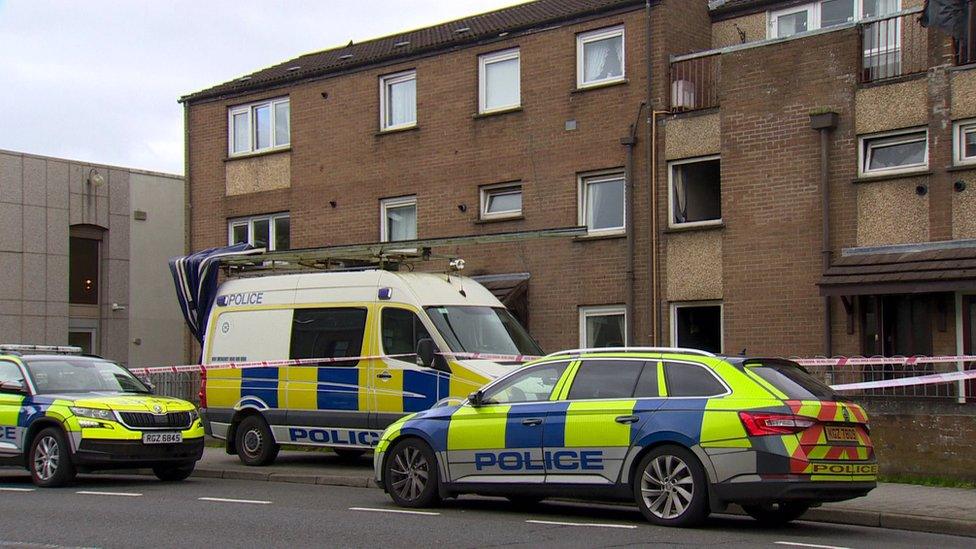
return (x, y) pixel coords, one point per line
(102, 511)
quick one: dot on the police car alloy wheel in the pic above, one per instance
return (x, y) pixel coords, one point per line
(670, 487)
(411, 474)
(50, 459)
(255, 443)
(776, 514)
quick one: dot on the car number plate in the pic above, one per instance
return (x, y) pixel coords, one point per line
(162, 438)
(841, 434)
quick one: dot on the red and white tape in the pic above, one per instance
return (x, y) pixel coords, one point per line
(879, 360)
(929, 379)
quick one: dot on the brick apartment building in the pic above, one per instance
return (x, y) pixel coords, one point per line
(704, 228)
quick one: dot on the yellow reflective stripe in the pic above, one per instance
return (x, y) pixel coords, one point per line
(478, 428)
(723, 428)
(591, 423)
(662, 385)
(10, 409)
(561, 390)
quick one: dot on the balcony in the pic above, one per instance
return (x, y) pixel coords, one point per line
(892, 47)
(695, 82)
(965, 47)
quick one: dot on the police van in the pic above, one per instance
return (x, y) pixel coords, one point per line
(411, 340)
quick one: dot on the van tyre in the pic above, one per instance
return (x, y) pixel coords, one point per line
(255, 443)
(49, 460)
(174, 473)
(776, 514)
(348, 454)
(671, 488)
(411, 474)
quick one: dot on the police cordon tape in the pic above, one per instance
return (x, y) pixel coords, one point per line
(928, 379)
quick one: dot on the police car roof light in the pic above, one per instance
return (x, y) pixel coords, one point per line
(53, 349)
(676, 350)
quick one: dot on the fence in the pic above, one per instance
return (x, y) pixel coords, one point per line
(183, 385)
(695, 83)
(892, 47)
(964, 391)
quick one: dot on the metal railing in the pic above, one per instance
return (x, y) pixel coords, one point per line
(893, 46)
(183, 385)
(695, 83)
(964, 391)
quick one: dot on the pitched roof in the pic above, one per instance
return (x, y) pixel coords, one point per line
(721, 9)
(925, 270)
(468, 30)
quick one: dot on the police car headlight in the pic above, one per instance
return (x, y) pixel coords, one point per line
(94, 413)
(194, 415)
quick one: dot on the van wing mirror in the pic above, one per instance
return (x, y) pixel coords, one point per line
(13, 387)
(426, 352)
(476, 399)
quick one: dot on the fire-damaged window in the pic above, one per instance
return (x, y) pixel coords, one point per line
(696, 191)
(897, 325)
(697, 325)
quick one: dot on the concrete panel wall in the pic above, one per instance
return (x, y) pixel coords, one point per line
(964, 207)
(261, 173)
(890, 212)
(693, 136)
(155, 319)
(739, 30)
(695, 260)
(963, 87)
(892, 106)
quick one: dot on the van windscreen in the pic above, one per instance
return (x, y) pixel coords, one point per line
(469, 329)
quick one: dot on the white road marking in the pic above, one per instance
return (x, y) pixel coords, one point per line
(229, 500)
(22, 544)
(16, 489)
(797, 544)
(118, 494)
(398, 511)
(590, 524)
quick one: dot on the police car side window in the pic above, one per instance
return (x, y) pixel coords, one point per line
(690, 380)
(10, 372)
(328, 333)
(532, 385)
(401, 331)
(647, 385)
(596, 379)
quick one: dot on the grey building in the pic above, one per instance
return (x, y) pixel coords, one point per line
(83, 257)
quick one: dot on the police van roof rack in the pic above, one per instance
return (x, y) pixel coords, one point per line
(20, 349)
(633, 350)
(379, 255)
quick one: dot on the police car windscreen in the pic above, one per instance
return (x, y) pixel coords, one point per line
(794, 382)
(482, 330)
(72, 375)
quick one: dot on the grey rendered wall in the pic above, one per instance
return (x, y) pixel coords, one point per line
(154, 315)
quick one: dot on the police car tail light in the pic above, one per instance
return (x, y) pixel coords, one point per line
(762, 424)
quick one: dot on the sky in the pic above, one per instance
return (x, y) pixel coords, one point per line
(99, 80)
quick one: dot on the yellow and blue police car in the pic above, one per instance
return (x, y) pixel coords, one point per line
(681, 432)
(62, 413)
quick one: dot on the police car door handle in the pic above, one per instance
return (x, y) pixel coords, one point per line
(626, 420)
(532, 421)
(384, 375)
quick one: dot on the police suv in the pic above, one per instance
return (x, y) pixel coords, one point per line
(61, 413)
(681, 432)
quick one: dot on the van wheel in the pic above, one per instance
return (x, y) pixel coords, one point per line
(348, 454)
(411, 474)
(776, 514)
(255, 443)
(50, 459)
(671, 488)
(172, 473)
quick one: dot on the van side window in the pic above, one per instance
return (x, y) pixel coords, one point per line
(401, 331)
(328, 333)
(690, 380)
(605, 379)
(647, 386)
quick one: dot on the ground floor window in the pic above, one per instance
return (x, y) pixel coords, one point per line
(603, 326)
(697, 325)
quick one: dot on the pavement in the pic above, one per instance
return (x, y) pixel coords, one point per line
(136, 511)
(895, 506)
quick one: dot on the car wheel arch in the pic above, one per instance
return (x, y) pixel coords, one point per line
(408, 436)
(36, 427)
(680, 441)
(239, 416)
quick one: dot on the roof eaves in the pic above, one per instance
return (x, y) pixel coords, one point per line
(737, 8)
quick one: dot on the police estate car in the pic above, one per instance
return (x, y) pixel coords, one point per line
(61, 413)
(681, 432)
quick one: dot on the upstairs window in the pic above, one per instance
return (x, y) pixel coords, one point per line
(83, 260)
(602, 206)
(894, 152)
(398, 219)
(272, 232)
(600, 57)
(398, 100)
(696, 192)
(965, 142)
(825, 14)
(259, 127)
(500, 201)
(500, 81)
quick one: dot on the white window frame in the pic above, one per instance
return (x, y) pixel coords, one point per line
(603, 310)
(385, 83)
(592, 36)
(497, 57)
(671, 166)
(864, 147)
(674, 306)
(249, 223)
(959, 130)
(397, 202)
(814, 16)
(583, 180)
(249, 109)
(500, 189)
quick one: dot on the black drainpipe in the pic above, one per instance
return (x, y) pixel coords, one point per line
(824, 123)
(630, 141)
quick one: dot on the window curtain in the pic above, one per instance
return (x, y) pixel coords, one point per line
(403, 103)
(501, 86)
(680, 191)
(606, 204)
(401, 223)
(603, 59)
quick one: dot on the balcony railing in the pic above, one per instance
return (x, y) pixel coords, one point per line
(695, 83)
(892, 47)
(965, 47)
